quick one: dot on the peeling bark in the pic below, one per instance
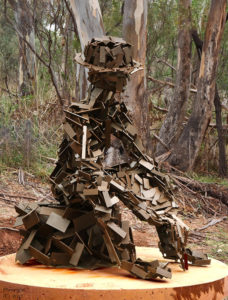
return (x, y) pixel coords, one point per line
(188, 145)
(87, 15)
(88, 19)
(134, 32)
(172, 126)
(81, 82)
(218, 113)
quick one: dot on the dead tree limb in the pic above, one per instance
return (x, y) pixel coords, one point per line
(16, 196)
(158, 60)
(9, 228)
(212, 223)
(210, 189)
(172, 85)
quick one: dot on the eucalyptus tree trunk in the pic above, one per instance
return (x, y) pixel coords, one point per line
(172, 125)
(218, 113)
(66, 44)
(135, 32)
(187, 147)
(87, 15)
(221, 135)
(27, 59)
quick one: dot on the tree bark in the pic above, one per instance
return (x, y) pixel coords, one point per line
(88, 19)
(172, 126)
(87, 15)
(187, 147)
(66, 44)
(218, 113)
(81, 85)
(27, 59)
(134, 32)
(221, 137)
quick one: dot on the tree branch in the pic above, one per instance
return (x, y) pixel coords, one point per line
(72, 17)
(160, 141)
(168, 83)
(166, 63)
(41, 59)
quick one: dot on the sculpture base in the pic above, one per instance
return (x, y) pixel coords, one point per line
(42, 282)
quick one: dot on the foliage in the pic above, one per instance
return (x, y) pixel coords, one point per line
(26, 140)
(200, 11)
(8, 50)
(212, 178)
(216, 244)
(112, 12)
(56, 43)
(222, 77)
(161, 37)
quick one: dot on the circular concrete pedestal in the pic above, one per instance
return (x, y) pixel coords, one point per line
(40, 282)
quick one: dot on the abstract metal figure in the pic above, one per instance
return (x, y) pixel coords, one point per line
(101, 162)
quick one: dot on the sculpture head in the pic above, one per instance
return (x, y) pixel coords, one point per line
(109, 61)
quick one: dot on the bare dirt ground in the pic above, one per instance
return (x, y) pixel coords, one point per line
(212, 240)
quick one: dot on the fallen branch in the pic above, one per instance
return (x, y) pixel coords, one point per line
(9, 228)
(183, 186)
(200, 236)
(8, 200)
(212, 223)
(196, 234)
(17, 196)
(210, 189)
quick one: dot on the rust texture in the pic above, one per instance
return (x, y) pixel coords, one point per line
(101, 162)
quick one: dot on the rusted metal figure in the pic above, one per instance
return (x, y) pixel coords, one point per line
(101, 163)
